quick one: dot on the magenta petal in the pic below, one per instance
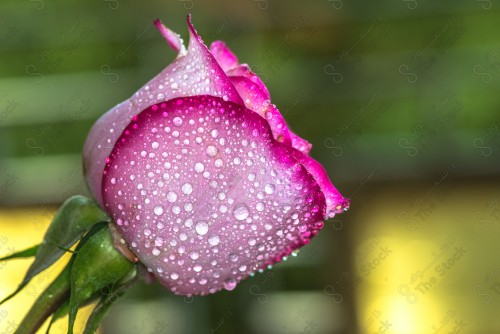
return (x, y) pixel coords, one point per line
(244, 71)
(205, 196)
(195, 73)
(173, 39)
(300, 144)
(335, 202)
(256, 100)
(226, 59)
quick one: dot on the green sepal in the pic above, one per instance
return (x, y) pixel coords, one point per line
(108, 299)
(75, 217)
(49, 301)
(58, 314)
(97, 266)
(29, 252)
(99, 311)
(105, 297)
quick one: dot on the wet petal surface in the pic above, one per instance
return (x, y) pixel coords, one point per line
(205, 195)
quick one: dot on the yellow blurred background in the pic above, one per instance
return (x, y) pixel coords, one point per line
(21, 229)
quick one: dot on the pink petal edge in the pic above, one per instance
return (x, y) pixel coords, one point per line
(224, 56)
(173, 39)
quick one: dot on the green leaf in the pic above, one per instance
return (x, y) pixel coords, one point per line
(75, 217)
(97, 265)
(29, 252)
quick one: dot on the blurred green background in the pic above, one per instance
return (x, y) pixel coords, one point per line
(400, 100)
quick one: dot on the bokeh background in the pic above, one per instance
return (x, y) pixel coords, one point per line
(399, 98)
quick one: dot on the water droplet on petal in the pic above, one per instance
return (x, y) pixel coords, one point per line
(201, 227)
(171, 196)
(214, 240)
(194, 255)
(187, 188)
(199, 167)
(269, 188)
(158, 210)
(212, 151)
(241, 212)
(230, 284)
(177, 121)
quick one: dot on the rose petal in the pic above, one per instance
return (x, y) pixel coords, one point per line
(196, 73)
(300, 143)
(226, 59)
(244, 71)
(205, 196)
(173, 39)
(335, 202)
(255, 100)
(229, 63)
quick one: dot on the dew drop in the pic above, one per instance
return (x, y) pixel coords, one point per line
(158, 241)
(171, 196)
(177, 121)
(158, 210)
(201, 227)
(155, 145)
(174, 276)
(197, 268)
(199, 167)
(269, 188)
(187, 188)
(194, 255)
(241, 212)
(214, 240)
(212, 151)
(230, 284)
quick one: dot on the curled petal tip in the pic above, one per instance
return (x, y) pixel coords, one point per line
(173, 39)
(343, 205)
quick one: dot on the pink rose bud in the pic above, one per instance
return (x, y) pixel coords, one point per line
(202, 176)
